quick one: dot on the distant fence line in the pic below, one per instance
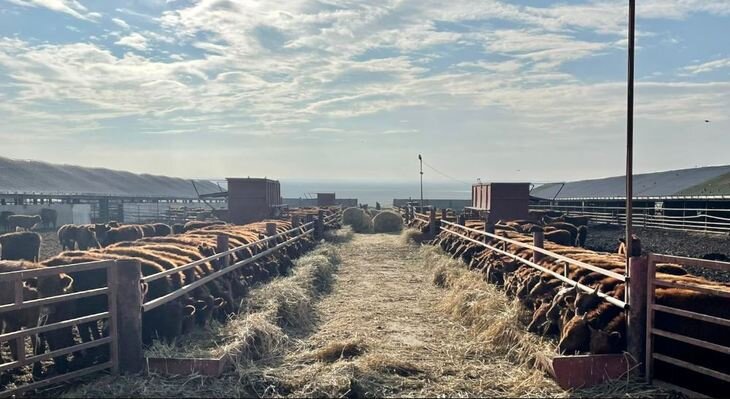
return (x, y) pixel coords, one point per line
(704, 220)
(305, 202)
(455, 204)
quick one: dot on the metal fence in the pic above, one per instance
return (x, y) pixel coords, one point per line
(22, 304)
(125, 302)
(706, 220)
(690, 336)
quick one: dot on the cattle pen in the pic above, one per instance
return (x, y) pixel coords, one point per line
(670, 326)
(125, 290)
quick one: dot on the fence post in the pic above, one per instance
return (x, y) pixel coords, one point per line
(271, 231)
(433, 229)
(538, 240)
(462, 220)
(319, 225)
(294, 221)
(221, 244)
(443, 213)
(129, 316)
(636, 297)
(488, 225)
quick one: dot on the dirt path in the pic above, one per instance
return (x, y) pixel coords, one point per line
(382, 317)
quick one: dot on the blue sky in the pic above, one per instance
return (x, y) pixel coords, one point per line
(334, 89)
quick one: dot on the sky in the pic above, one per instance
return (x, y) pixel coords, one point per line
(524, 90)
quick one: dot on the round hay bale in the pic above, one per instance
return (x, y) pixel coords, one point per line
(387, 222)
(358, 219)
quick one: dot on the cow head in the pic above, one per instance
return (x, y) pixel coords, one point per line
(586, 301)
(101, 231)
(604, 342)
(575, 337)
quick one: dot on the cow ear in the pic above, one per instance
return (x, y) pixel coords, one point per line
(622, 240)
(32, 283)
(67, 281)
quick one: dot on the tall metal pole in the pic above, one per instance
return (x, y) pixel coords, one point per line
(420, 160)
(630, 131)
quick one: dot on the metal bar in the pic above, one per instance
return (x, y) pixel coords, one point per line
(692, 341)
(53, 270)
(56, 379)
(53, 326)
(184, 290)
(53, 299)
(157, 276)
(692, 315)
(112, 281)
(712, 264)
(693, 367)
(543, 251)
(56, 353)
(671, 284)
(560, 277)
(650, 307)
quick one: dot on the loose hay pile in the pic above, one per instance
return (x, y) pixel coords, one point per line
(259, 334)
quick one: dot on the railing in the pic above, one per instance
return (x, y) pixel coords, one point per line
(652, 308)
(679, 219)
(302, 230)
(125, 302)
(17, 278)
(450, 228)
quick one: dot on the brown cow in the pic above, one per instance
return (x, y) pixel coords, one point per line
(23, 222)
(49, 218)
(124, 233)
(23, 245)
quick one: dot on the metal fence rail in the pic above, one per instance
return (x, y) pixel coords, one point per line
(567, 261)
(706, 220)
(652, 308)
(17, 278)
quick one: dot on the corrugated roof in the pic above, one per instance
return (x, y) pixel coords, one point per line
(712, 180)
(24, 176)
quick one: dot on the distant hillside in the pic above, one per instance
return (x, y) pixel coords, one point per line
(23, 176)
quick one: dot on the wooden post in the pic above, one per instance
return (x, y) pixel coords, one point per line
(650, 301)
(538, 240)
(271, 231)
(319, 225)
(433, 228)
(221, 244)
(295, 221)
(129, 316)
(488, 225)
(443, 213)
(636, 318)
(461, 220)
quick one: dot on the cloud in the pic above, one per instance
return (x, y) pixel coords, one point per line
(70, 7)
(708, 66)
(121, 23)
(134, 40)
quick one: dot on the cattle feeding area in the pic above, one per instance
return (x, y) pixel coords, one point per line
(76, 303)
(579, 297)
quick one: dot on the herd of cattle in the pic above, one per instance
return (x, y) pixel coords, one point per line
(583, 322)
(158, 248)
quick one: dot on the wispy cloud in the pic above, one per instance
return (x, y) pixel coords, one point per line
(134, 40)
(70, 7)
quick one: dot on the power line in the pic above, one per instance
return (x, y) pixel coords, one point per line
(444, 174)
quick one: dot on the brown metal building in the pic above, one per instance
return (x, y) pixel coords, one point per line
(251, 199)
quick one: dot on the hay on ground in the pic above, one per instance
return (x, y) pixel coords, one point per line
(412, 236)
(340, 350)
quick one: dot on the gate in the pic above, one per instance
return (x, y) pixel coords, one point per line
(15, 281)
(688, 337)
